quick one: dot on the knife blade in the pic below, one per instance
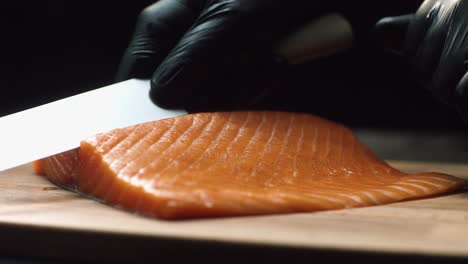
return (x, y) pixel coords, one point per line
(59, 126)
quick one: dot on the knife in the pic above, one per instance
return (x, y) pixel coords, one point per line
(59, 126)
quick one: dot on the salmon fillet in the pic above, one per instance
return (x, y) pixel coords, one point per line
(235, 163)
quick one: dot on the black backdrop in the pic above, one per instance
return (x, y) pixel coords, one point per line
(52, 49)
(55, 48)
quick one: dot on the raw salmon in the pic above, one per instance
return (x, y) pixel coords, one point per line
(235, 163)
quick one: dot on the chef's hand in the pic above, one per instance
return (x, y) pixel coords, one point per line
(207, 53)
(436, 42)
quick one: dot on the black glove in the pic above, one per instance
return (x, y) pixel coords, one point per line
(436, 42)
(209, 54)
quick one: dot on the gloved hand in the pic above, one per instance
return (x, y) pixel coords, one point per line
(209, 53)
(435, 39)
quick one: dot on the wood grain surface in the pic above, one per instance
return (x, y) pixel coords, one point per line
(430, 227)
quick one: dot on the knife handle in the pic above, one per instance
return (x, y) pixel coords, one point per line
(324, 36)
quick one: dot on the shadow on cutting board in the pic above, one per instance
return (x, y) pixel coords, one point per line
(58, 246)
(416, 145)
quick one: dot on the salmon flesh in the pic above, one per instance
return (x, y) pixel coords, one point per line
(233, 164)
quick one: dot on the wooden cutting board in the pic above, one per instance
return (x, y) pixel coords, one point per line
(38, 219)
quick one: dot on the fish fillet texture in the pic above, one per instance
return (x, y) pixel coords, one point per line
(235, 163)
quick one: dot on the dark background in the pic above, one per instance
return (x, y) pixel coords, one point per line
(53, 49)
